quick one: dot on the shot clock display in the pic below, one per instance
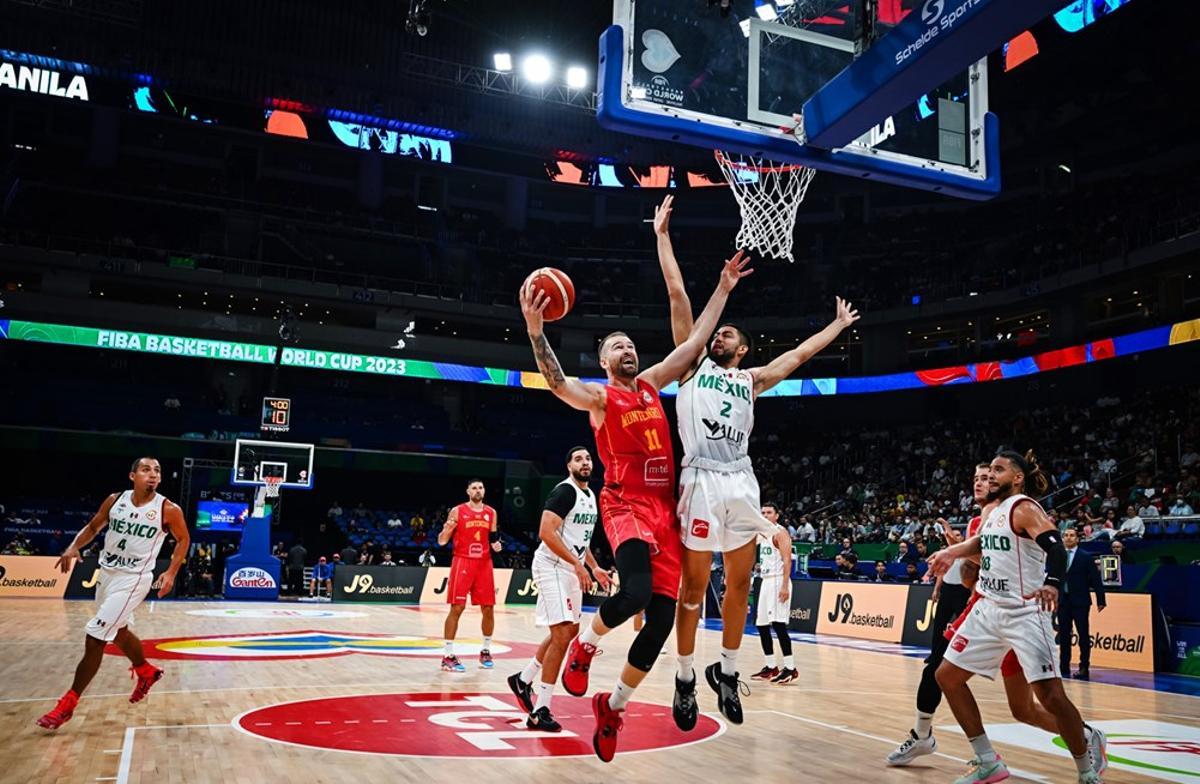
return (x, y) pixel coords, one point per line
(276, 414)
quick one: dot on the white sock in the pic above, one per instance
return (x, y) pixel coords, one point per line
(772, 660)
(729, 661)
(789, 662)
(449, 647)
(1083, 763)
(924, 725)
(544, 692)
(620, 696)
(531, 670)
(983, 748)
(686, 672)
(590, 635)
(487, 643)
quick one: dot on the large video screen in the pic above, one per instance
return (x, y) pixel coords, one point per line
(221, 515)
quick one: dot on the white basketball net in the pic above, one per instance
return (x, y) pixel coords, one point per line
(768, 195)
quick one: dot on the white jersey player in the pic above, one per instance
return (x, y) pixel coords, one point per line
(560, 575)
(774, 605)
(138, 522)
(1022, 565)
(719, 497)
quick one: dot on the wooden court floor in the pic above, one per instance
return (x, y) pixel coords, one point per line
(396, 717)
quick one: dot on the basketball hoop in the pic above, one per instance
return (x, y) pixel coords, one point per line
(768, 195)
(271, 485)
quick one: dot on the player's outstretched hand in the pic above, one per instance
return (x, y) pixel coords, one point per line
(67, 560)
(1047, 597)
(532, 308)
(939, 563)
(585, 578)
(603, 578)
(735, 270)
(846, 314)
(166, 581)
(662, 216)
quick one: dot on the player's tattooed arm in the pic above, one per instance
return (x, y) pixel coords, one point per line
(681, 306)
(87, 534)
(575, 393)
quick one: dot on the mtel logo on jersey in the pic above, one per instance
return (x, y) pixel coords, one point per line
(310, 644)
(486, 726)
(41, 80)
(251, 577)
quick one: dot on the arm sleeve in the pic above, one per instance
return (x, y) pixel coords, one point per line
(1056, 557)
(561, 501)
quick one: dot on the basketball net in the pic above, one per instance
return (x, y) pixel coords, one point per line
(269, 489)
(768, 195)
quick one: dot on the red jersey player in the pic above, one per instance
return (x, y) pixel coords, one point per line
(472, 526)
(637, 504)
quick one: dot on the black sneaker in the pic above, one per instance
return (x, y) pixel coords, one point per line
(541, 719)
(726, 687)
(683, 707)
(522, 691)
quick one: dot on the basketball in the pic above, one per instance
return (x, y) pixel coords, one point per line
(557, 287)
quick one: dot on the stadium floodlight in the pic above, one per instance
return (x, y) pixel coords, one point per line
(502, 61)
(577, 77)
(536, 68)
(766, 12)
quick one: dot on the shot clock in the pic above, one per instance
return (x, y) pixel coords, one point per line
(276, 414)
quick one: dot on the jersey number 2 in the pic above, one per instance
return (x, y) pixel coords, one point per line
(726, 406)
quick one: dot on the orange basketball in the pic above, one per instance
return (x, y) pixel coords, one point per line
(557, 287)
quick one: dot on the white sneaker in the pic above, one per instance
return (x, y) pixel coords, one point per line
(1098, 748)
(1091, 777)
(912, 748)
(986, 772)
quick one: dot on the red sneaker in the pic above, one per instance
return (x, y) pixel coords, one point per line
(147, 675)
(579, 662)
(61, 713)
(608, 724)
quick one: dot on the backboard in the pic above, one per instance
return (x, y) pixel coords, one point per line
(253, 461)
(685, 71)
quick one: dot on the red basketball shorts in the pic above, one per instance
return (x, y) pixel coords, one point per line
(471, 577)
(649, 519)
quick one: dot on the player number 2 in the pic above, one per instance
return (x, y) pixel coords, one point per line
(652, 441)
(725, 408)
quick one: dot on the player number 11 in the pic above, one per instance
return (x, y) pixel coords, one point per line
(652, 441)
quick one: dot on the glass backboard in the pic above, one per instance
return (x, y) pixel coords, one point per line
(686, 71)
(255, 461)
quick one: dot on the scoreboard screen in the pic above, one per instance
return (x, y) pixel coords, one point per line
(276, 414)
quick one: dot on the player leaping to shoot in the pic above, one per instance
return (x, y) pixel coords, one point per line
(637, 504)
(719, 507)
(138, 521)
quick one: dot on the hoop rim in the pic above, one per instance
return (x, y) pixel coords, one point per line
(723, 157)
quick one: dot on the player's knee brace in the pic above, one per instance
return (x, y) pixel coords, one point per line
(630, 600)
(660, 617)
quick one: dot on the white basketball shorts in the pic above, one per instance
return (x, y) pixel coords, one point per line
(117, 595)
(990, 631)
(719, 512)
(559, 594)
(770, 608)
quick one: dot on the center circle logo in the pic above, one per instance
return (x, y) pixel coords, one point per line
(463, 725)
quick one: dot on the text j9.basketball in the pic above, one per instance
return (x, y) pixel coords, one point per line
(558, 289)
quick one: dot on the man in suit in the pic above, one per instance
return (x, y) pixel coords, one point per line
(1083, 577)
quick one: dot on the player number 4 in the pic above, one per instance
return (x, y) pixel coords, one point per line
(121, 545)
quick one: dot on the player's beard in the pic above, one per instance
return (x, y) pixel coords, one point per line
(998, 492)
(581, 476)
(724, 356)
(625, 370)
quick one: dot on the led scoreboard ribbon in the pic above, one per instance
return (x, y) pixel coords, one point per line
(203, 348)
